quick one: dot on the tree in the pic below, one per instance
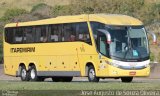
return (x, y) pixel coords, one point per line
(11, 13)
(42, 11)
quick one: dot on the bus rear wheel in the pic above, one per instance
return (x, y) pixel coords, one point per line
(127, 79)
(24, 74)
(33, 75)
(92, 75)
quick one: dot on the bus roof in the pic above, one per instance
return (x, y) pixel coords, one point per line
(115, 19)
(109, 19)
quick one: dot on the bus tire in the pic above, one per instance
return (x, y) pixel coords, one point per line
(33, 74)
(24, 74)
(126, 79)
(92, 75)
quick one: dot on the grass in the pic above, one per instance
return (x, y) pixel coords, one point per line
(18, 85)
(73, 88)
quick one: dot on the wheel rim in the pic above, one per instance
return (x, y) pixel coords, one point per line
(24, 73)
(91, 74)
(33, 74)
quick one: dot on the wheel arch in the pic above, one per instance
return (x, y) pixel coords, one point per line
(88, 64)
(31, 64)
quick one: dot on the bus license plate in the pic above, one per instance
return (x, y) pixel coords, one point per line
(132, 73)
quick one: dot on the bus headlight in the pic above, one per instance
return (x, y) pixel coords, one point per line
(115, 64)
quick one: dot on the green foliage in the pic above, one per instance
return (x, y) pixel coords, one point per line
(158, 57)
(156, 12)
(41, 11)
(147, 12)
(152, 57)
(11, 13)
(61, 10)
(38, 6)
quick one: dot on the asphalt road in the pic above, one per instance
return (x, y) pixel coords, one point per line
(154, 77)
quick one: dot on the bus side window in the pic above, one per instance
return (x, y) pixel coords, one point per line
(44, 34)
(103, 47)
(18, 38)
(83, 33)
(54, 35)
(69, 33)
(60, 33)
(37, 34)
(28, 35)
(9, 35)
(95, 26)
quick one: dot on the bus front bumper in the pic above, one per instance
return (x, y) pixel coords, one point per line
(118, 72)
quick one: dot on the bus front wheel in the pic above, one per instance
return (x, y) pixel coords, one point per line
(92, 75)
(24, 74)
(126, 79)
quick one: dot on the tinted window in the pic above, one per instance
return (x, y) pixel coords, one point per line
(49, 33)
(28, 35)
(70, 32)
(18, 35)
(83, 32)
(56, 33)
(9, 35)
(95, 26)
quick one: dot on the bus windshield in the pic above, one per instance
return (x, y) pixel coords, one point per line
(128, 43)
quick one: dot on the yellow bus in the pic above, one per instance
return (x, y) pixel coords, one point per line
(89, 45)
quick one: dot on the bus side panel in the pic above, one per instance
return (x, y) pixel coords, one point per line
(88, 59)
(87, 55)
(57, 57)
(74, 63)
(8, 66)
(103, 68)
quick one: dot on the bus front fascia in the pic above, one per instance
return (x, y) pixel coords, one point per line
(116, 63)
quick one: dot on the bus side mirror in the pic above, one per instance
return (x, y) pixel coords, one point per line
(107, 34)
(153, 36)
